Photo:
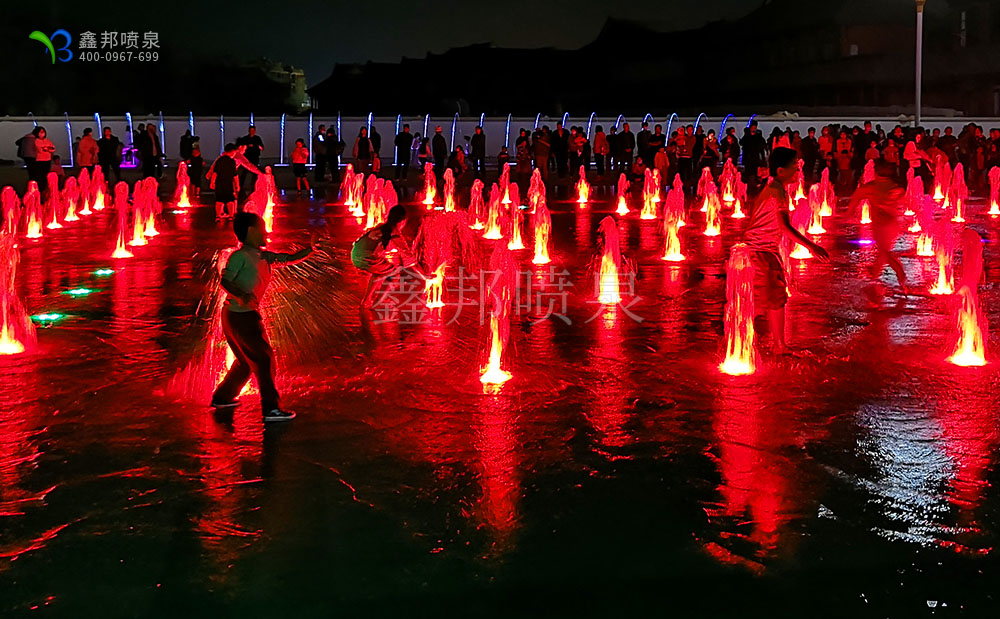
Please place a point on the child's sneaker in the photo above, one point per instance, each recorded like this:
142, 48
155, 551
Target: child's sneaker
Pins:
276, 414
218, 404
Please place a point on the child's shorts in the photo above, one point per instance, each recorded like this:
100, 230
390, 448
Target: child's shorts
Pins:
770, 288
299, 169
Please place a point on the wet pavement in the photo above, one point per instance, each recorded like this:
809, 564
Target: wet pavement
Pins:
618, 473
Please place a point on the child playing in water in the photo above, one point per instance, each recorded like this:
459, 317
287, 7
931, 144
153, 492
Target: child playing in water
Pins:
224, 181
884, 196
767, 222
245, 279
383, 252
300, 155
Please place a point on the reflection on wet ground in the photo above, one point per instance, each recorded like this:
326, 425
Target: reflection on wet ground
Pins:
617, 472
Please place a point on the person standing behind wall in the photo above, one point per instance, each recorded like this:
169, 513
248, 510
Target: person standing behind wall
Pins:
319, 154
27, 152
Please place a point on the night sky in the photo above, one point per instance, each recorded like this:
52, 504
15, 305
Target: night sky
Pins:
315, 35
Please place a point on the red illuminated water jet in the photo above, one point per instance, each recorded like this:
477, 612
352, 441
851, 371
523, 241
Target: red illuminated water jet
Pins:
740, 356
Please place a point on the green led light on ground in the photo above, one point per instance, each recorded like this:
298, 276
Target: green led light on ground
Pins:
79, 292
47, 317
104, 272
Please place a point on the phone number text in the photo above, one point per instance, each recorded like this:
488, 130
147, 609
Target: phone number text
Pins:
123, 56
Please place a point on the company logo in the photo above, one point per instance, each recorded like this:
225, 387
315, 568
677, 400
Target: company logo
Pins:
47, 41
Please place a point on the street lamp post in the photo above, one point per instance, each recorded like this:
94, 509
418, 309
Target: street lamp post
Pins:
920, 57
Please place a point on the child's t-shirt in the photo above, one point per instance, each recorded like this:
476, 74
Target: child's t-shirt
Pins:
763, 229
249, 269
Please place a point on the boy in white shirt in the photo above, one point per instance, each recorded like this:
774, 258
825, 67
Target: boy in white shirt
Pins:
245, 279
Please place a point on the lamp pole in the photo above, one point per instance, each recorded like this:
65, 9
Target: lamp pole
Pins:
920, 57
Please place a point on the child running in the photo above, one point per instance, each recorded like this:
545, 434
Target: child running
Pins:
383, 252
884, 196
766, 224
245, 279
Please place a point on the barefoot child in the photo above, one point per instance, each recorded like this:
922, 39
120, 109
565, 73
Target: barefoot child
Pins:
245, 279
383, 252
884, 196
766, 224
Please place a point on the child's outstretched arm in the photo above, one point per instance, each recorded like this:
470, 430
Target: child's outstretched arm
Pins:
294, 257
801, 239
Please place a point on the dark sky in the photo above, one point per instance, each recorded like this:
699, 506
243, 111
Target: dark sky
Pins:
314, 34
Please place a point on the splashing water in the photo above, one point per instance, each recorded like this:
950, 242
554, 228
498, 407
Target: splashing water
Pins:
622, 192
71, 197
515, 220
914, 198
122, 209
727, 182
493, 230
476, 205
800, 220
582, 188
33, 211
150, 187
139, 207
869, 172
536, 189
866, 212
183, 185
505, 184
706, 183
816, 202
609, 292
347, 186
674, 206
430, 185
83, 180
970, 347
16, 330
740, 356
377, 207
741, 196
650, 195
925, 244
994, 177
449, 191
958, 194
542, 223
943, 249
500, 293
671, 241
799, 185
11, 209
446, 238
827, 194
98, 188
942, 179
434, 287
54, 203
713, 220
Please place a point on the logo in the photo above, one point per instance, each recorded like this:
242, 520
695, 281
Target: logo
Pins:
39, 36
